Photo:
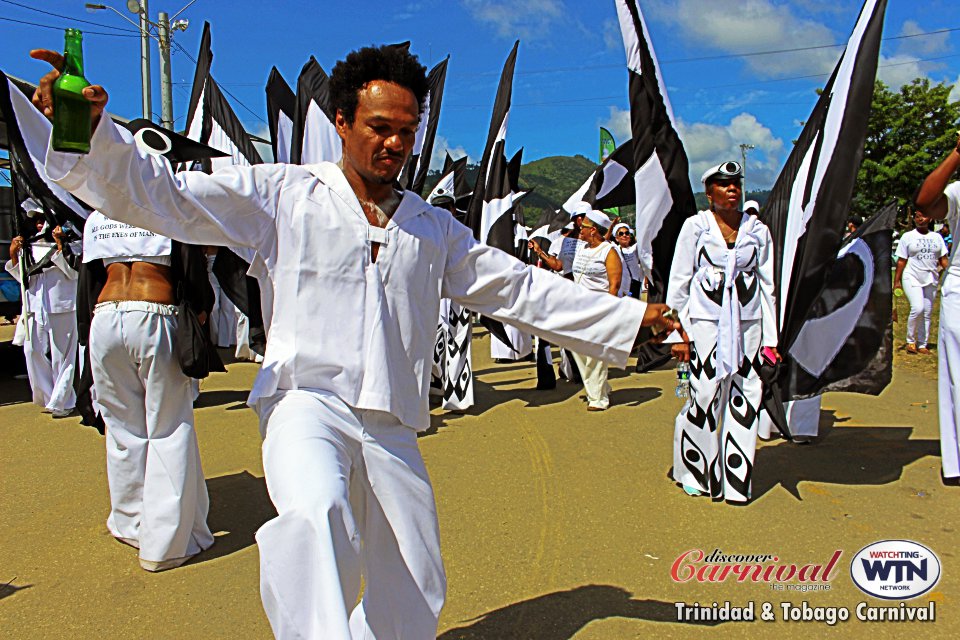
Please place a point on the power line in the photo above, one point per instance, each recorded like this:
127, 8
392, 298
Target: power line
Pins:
50, 26
60, 15
240, 102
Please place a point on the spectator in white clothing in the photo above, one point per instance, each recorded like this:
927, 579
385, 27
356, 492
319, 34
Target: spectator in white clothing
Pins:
921, 255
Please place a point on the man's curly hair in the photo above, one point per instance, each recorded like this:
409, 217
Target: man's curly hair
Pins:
390, 63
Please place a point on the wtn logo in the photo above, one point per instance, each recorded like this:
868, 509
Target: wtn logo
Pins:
903, 570
895, 569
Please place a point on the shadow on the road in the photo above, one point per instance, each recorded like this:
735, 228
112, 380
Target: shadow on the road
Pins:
222, 397
850, 455
8, 589
562, 614
12, 390
239, 505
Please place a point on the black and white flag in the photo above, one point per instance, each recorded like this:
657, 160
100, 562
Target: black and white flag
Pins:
414, 174
846, 341
28, 135
490, 212
453, 180
212, 121
811, 199
315, 137
610, 185
661, 178
210, 118
281, 108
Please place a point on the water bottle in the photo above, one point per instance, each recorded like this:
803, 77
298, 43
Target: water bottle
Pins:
683, 380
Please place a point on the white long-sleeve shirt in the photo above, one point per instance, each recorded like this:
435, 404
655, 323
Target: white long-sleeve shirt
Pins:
726, 285
363, 330
53, 290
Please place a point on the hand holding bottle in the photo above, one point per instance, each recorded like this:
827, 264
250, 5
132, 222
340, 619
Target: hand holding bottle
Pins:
43, 96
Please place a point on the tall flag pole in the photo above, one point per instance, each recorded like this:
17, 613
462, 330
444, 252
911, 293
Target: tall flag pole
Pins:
811, 198
315, 137
661, 176
414, 174
490, 212
607, 146
281, 107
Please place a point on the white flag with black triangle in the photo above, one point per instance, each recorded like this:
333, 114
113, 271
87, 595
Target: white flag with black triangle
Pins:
281, 107
315, 137
661, 178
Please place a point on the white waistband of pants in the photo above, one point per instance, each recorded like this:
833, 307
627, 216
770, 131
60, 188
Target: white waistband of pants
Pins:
136, 305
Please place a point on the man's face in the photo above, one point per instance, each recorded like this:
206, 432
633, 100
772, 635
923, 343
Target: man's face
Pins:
381, 137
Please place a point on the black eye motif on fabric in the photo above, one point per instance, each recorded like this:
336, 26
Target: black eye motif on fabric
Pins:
695, 365
458, 388
694, 459
737, 466
714, 409
710, 364
716, 482
695, 414
715, 295
152, 141
746, 364
747, 292
740, 408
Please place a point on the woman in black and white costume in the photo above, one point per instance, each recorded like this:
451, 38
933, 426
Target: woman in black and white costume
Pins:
158, 495
721, 283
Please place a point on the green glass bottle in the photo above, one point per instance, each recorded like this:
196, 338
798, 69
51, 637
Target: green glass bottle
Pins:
71, 111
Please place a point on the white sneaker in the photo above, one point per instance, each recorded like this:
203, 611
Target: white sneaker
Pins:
61, 413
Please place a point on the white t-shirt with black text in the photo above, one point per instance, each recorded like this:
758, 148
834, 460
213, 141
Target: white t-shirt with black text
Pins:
922, 251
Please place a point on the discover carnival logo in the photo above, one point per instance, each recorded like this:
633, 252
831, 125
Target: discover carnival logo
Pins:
895, 569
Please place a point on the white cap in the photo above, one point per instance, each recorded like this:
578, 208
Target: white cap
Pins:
751, 204
580, 209
32, 207
599, 218
441, 196
621, 225
724, 170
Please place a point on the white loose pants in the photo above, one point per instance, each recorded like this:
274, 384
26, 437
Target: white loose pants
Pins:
353, 496
158, 497
50, 353
594, 373
948, 355
921, 308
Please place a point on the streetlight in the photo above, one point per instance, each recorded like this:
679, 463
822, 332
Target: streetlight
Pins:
743, 155
164, 29
138, 7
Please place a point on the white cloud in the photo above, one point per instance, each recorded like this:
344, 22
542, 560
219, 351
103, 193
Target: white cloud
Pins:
618, 124
898, 70
710, 144
756, 25
955, 94
923, 46
523, 19
441, 146
612, 37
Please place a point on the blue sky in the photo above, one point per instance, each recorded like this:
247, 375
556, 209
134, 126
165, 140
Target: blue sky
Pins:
570, 69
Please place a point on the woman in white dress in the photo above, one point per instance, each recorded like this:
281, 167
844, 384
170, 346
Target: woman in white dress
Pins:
921, 255
721, 283
598, 267
626, 244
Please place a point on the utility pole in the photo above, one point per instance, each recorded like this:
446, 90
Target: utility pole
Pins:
166, 88
145, 61
743, 155
165, 31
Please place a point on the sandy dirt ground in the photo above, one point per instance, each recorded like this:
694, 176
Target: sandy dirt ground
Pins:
556, 523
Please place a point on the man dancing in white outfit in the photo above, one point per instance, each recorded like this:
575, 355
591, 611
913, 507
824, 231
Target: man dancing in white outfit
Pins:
941, 200
358, 269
